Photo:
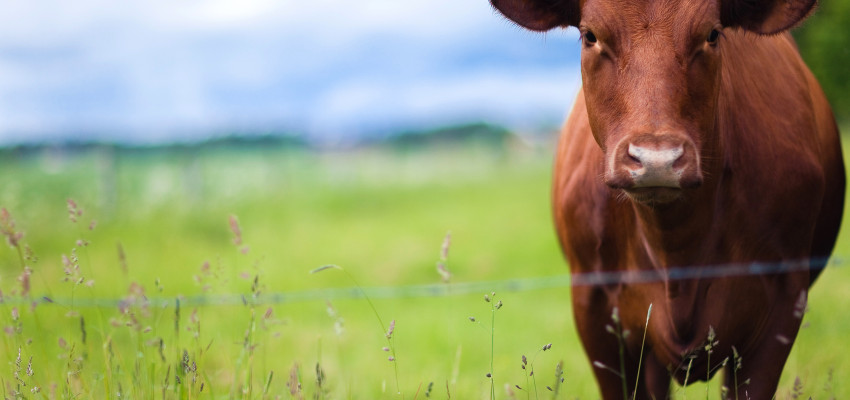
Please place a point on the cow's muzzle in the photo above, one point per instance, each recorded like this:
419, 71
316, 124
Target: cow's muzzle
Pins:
648, 162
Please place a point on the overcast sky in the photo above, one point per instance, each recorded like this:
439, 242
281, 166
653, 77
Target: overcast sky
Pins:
151, 70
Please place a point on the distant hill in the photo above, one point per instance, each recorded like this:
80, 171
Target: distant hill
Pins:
226, 142
479, 133
482, 133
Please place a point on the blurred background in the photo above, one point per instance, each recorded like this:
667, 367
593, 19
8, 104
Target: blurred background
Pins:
217, 151
327, 72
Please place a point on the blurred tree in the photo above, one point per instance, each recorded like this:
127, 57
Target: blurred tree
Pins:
824, 41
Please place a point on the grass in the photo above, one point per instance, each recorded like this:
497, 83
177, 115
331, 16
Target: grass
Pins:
380, 215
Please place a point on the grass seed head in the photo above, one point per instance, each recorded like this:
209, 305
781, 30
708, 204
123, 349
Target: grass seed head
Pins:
24, 280
615, 315
797, 390
7, 228
320, 376
324, 267
122, 257
29, 255
74, 211
442, 268
444, 250
234, 228
29, 367
294, 383
391, 329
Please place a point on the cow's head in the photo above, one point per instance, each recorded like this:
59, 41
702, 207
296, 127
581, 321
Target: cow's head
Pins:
651, 74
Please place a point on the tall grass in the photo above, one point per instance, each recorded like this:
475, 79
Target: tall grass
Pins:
165, 246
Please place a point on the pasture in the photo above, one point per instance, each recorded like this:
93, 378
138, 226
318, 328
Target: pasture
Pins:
99, 318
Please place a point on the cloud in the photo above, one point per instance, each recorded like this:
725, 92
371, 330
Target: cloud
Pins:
163, 70
487, 96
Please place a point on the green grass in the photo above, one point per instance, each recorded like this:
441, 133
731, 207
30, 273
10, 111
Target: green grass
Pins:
380, 215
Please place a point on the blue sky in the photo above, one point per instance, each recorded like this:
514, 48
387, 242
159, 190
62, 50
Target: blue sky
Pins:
145, 71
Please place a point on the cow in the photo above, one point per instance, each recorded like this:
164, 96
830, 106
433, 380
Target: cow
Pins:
699, 140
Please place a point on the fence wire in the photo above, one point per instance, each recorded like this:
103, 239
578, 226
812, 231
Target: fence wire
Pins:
457, 289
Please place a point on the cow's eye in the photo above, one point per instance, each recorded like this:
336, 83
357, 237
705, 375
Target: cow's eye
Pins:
713, 36
589, 38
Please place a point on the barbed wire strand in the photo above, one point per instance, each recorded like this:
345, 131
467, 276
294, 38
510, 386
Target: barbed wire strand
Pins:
460, 288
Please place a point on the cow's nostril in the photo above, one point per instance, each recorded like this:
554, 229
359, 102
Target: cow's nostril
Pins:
634, 154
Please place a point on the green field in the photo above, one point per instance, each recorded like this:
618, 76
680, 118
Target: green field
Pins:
163, 233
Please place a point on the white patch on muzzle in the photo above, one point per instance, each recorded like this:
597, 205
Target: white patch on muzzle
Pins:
656, 167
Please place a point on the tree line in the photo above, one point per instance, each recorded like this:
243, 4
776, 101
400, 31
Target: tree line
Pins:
824, 42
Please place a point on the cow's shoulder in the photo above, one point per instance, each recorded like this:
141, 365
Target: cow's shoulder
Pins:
773, 171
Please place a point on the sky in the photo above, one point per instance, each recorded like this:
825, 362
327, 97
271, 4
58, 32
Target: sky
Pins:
150, 71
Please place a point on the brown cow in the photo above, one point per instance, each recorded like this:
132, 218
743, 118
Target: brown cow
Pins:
699, 139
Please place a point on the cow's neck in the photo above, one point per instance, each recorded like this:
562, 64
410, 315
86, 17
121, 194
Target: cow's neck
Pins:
674, 234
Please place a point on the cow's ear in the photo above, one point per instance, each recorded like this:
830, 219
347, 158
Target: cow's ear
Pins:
540, 15
765, 16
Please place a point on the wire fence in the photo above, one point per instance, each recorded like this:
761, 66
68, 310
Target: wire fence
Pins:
460, 288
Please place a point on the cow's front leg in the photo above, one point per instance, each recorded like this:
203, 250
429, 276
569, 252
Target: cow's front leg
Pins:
614, 353
755, 372
655, 379
651, 382
756, 376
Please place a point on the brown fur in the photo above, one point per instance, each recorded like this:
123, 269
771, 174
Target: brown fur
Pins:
771, 185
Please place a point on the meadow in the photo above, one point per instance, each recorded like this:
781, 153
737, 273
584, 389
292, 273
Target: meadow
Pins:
187, 274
